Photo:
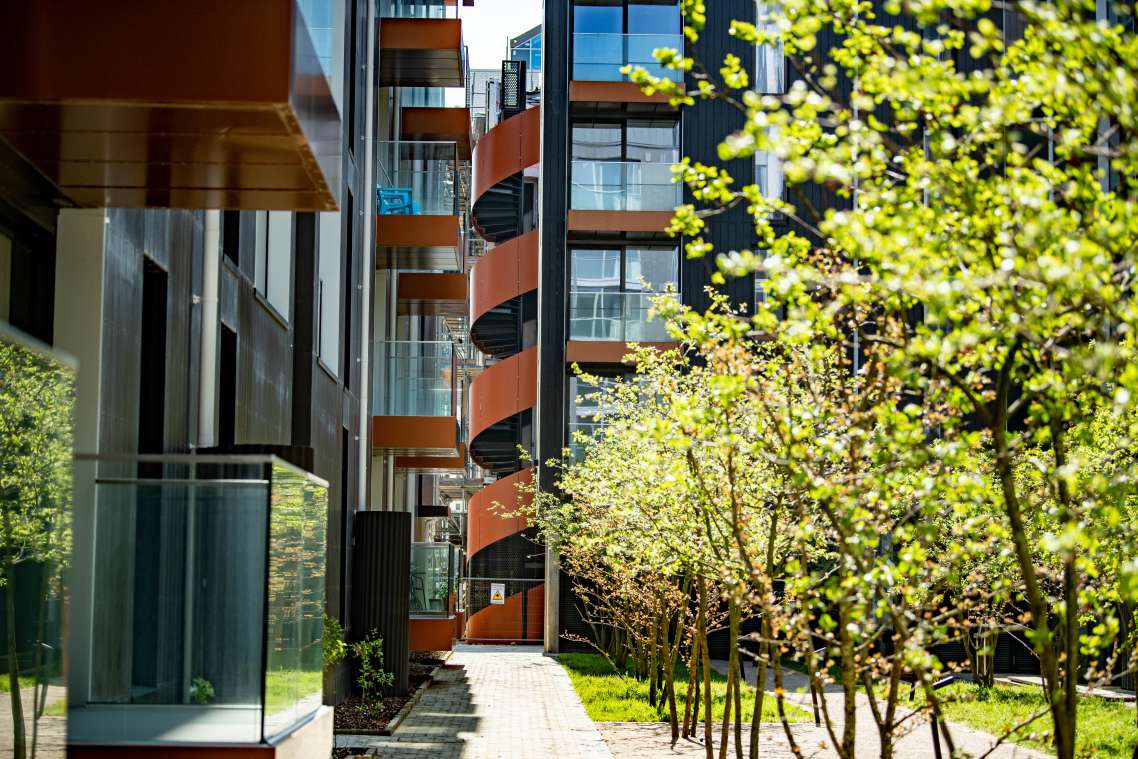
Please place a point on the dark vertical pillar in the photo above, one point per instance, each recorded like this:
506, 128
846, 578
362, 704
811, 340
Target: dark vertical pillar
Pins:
381, 587
553, 194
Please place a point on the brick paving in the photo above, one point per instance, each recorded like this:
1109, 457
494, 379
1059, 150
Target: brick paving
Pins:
504, 702
508, 702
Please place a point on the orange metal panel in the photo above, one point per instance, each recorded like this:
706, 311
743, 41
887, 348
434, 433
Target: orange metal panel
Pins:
416, 231
420, 52
503, 622
444, 124
506, 271
511, 146
602, 351
431, 286
421, 435
208, 104
502, 390
431, 633
484, 525
611, 92
619, 221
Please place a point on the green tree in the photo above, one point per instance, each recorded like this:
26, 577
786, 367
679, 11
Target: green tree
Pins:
36, 402
979, 256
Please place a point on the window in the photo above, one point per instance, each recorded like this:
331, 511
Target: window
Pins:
607, 35
625, 166
586, 414
770, 61
768, 175
611, 292
328, 290
272, 275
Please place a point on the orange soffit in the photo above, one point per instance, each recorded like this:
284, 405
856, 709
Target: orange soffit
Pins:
619, 221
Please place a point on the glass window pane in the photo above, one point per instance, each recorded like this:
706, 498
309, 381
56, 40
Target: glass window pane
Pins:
655, 267
653, 17
278, 286
653, 142
595, 271
261, 251
597, 18
329, 293
596, 141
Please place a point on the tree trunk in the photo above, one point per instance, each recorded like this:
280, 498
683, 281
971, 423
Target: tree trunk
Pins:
705, 661
760, 691
849, 681
19, 736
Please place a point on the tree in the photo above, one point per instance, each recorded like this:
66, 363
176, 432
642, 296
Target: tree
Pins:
35, 495
983, 257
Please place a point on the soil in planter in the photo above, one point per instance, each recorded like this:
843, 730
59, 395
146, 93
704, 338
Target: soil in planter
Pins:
428, 658
369, 716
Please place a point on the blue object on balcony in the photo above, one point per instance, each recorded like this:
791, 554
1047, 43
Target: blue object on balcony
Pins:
396, 200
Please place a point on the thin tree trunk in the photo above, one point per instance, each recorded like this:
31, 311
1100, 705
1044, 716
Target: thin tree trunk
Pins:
38, 703
737, 668
705, 660
849, 680
760, 691
19, 736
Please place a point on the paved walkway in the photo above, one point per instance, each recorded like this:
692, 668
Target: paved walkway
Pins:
505, 702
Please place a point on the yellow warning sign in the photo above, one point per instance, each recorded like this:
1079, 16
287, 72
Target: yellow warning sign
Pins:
497, 592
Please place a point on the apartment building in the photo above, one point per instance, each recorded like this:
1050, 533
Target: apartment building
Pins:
186, 227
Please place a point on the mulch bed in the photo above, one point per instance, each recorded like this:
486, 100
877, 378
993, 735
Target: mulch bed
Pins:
428, 658
356, 714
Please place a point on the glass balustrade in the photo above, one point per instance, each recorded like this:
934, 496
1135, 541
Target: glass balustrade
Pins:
417, 177
622, 186
434, 579
598, 57
429, 9
200, 620
616, 316
414, 378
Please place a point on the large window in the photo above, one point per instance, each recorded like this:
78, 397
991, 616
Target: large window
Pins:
625, 166
611, 292
586, 414
272, 273
608, 35
328, 291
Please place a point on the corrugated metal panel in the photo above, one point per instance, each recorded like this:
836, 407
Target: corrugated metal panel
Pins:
381, 586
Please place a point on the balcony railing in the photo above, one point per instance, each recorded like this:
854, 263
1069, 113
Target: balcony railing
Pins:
416, 178
623, 186
434, 579
201, 618
598, 57
429, 9
616, 316
414, 378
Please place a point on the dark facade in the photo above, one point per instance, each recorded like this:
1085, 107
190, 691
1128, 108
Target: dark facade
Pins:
234, 327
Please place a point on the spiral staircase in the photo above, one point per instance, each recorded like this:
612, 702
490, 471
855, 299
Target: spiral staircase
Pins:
505, 592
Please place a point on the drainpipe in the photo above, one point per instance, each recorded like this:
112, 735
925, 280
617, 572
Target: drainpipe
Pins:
207, 383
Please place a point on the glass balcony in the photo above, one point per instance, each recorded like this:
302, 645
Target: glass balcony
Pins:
428, 9
37, 395
414, 378
598, 57
434, 579
417, 178
616, 316
200, 620
622, 186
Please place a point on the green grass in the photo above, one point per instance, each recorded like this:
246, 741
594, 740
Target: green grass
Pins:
284, 687
1106, 729
612, 697
26, 681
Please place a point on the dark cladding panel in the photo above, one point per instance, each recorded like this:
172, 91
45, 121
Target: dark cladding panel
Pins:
703, 127
381, 586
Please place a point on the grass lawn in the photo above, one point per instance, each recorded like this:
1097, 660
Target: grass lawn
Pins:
612, 697
284, 687
1106, 729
